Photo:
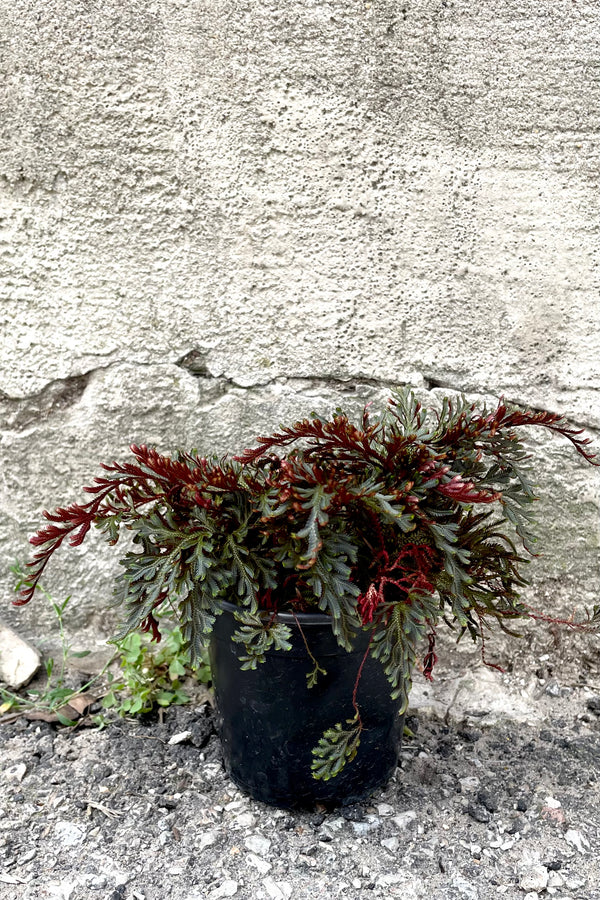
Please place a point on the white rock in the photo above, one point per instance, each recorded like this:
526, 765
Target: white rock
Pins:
245, 820
258, 844
180, 738
469, 784
552, 803
391, 844
370, 824
19, 661
69, 834
261, 864
207, 839
61, 890
387, 880
535, 878
555, 880
577, 840
7, 878
464, 888
404, 819
229, 888
16, 773
384, 809
487, 692
277, 890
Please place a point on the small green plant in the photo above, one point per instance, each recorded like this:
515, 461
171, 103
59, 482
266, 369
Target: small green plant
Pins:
150, 675
54, 694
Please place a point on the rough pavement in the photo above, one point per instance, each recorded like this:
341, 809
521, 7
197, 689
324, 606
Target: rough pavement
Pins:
497, 795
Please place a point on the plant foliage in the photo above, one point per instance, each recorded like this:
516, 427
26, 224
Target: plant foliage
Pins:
407, 518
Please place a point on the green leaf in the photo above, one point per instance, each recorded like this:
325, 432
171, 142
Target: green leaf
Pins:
312, 677
64, 720
165, 698
396, 639
316, 500
176, 669
110, 700
259, 634
335, 749
330, 581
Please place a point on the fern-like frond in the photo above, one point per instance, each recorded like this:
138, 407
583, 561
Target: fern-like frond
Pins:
260, 633
396, 637
337, 747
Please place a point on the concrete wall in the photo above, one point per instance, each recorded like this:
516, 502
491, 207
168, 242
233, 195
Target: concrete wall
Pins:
216, 214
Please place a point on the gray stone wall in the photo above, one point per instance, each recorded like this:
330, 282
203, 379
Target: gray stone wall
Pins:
217, 214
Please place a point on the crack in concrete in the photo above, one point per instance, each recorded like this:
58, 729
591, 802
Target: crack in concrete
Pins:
17, 413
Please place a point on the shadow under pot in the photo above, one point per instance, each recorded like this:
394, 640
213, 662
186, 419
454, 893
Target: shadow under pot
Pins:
269, 720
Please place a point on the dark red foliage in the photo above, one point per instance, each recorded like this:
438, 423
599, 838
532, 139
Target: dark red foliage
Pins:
430, 659
187, 482
410, 573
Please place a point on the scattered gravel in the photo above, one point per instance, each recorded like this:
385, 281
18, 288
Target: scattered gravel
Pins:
482, 806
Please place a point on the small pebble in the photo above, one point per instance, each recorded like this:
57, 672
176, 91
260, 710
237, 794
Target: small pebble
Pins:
16, 773
534, 878
258, 863
384, 809
578, 840
403, 820
488, 800
353, 813
258, 844
469, 784
478, 812
246, 820
229, 888
69, 834
277, 890
180, 738
593, 705
555, 880
391, 844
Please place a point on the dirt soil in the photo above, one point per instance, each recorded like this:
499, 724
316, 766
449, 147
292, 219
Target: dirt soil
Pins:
497, 795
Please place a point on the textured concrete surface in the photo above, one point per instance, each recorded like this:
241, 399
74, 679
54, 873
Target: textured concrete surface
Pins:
216, 215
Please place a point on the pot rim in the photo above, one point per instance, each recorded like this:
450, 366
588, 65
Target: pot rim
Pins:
286, 618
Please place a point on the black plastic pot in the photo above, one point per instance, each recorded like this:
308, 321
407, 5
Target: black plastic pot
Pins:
269, 720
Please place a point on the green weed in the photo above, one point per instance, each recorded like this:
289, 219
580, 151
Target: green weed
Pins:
149, 673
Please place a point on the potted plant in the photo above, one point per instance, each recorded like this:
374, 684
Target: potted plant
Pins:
318, 566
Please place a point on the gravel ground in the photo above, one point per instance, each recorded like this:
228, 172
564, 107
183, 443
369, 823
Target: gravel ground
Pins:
497, 795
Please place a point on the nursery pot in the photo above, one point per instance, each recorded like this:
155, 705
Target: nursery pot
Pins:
269, 720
